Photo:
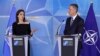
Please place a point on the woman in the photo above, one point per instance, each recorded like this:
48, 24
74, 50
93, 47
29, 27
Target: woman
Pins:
21, 27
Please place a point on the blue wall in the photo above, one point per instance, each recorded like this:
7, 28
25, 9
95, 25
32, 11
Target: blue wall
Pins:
45, 16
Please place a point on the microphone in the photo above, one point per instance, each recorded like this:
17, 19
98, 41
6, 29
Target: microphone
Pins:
58, 29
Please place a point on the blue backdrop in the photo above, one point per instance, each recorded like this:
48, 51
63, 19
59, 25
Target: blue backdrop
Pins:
45, 16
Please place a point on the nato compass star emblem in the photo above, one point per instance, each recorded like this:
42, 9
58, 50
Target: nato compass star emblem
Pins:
90, 37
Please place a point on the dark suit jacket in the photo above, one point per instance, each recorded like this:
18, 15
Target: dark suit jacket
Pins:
76, 27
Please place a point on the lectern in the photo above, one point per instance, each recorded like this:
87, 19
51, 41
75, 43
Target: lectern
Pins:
68, 44
18, 45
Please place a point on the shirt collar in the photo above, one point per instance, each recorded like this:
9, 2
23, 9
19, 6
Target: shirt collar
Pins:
74, 17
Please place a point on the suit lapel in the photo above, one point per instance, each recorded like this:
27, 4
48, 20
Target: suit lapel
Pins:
75, 21
69, 22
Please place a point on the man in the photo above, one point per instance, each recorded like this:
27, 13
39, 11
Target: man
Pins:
74, 24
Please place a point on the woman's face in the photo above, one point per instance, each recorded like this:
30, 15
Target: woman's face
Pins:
21, 15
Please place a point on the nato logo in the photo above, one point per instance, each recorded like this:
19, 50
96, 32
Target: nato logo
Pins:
90, 37
15, 43
65, 43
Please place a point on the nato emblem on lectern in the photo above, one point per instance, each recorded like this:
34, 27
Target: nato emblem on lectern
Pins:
90, 37
65, 43
15, 43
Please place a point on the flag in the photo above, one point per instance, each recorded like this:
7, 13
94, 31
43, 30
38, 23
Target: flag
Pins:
12, 18
91, 39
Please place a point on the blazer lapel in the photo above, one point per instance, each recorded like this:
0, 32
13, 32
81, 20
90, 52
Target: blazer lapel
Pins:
75, 21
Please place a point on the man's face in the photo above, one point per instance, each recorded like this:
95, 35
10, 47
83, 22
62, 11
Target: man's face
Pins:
72, 11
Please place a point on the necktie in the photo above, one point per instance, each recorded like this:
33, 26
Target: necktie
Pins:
71, 22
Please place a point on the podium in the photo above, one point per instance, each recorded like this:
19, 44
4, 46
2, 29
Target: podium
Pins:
68, 44
18, 45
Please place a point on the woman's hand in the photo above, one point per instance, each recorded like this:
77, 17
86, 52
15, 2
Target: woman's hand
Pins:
32, 31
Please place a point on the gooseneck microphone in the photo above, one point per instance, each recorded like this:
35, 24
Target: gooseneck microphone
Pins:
59, 27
